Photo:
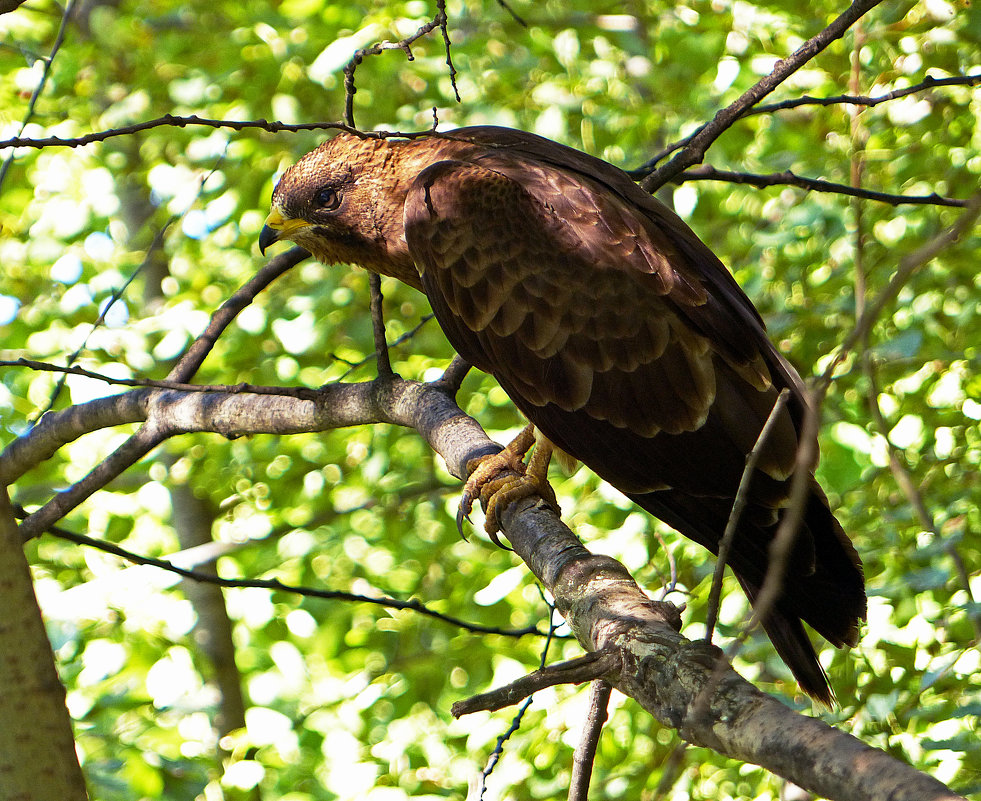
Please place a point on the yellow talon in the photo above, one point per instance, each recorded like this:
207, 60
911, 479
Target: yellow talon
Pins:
502, 478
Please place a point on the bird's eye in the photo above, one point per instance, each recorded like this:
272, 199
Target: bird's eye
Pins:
327, 198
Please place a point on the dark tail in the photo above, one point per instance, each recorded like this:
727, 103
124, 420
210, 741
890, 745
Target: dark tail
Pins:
823, 583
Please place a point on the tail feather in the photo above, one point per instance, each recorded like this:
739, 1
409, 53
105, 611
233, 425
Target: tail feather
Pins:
795, 649
823, 584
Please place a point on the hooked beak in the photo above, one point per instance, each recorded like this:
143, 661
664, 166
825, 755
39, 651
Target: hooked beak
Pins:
277, 227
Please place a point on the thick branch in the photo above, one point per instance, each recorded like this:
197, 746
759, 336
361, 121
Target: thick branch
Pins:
167, 413
605, 608
666, 673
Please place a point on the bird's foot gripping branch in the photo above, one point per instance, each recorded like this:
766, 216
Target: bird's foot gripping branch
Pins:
501, 479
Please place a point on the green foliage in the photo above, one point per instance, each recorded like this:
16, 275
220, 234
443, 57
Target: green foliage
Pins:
351, 700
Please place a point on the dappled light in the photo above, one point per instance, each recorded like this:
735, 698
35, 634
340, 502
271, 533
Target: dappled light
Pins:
352, 615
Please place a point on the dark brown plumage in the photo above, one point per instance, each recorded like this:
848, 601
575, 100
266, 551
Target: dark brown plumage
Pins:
611, 326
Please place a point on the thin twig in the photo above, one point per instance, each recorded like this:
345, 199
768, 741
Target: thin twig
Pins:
352, 366
861, 100
303, 393
170, 121
695, 150
507, 7
444, 30
405, 45
585, 754
275, 585
378, 325
738, 506
498, 751
48, 64
707, 172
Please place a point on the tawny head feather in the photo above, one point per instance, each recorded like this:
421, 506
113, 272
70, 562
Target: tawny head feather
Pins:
344, 202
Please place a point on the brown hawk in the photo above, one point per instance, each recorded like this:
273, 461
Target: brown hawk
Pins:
611, 326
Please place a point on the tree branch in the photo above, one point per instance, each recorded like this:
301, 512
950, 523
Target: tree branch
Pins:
582, 760
169, 121
275, 585
405, 45
707, 172
929, 83
695, 150
575, 671
862, 100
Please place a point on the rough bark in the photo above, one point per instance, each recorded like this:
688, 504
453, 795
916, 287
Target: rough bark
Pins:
664, 672
37, 748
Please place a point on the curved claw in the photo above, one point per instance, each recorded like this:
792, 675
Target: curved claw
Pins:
500, 479
463, 511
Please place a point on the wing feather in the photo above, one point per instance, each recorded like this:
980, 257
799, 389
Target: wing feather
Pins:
574, 299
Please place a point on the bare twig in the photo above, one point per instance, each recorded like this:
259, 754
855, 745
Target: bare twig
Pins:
275, 585
48, 63
588, 667
405, 45
443, 29
707, 172
170, 121
582, 760
507, 7
352, 366
255, 389
695, 150
378, 325
738, 506
498, 751
861, 100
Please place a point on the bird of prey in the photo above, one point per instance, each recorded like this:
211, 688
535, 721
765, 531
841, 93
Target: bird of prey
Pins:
611, 326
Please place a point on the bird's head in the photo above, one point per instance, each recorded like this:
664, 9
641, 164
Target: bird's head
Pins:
344, 202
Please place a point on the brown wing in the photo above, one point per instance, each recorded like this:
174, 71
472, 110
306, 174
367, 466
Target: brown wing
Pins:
628, 344
575, 301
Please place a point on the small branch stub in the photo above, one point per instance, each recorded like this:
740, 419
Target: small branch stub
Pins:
595, 665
